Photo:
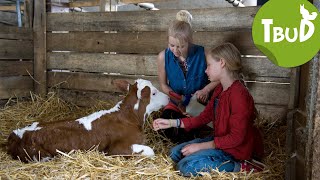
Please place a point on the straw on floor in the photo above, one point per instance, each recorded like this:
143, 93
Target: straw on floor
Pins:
93, 164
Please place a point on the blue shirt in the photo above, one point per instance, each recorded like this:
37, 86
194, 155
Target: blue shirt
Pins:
195, 78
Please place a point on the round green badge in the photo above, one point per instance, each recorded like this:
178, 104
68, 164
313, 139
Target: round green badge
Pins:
287, 31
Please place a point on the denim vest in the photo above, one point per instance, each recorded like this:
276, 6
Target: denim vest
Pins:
196, 77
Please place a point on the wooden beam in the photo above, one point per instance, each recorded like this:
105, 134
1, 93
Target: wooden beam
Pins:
10, 8
16, 49
40, 74
84, 3
76, 4
256, 68
29, 4
15, 86
8, 18
294, 88
263, 93
16, 68
141, 1
213, 19
87, 98
10, 32
143, 42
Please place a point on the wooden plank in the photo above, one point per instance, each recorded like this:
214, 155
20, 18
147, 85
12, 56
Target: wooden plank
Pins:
212, 19
16, 49
84, 3
270, 93
40, 74
256, 68
141, 1
91, 98
263, 93
87, 98
16, 33
15, 86
272, 113
91, 81
16, 68
8, 18
142, 42
10, 8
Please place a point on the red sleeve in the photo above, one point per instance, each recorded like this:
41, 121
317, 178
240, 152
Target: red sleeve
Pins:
242, 114
204, 117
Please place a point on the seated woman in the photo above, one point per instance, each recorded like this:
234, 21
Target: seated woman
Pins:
181, 72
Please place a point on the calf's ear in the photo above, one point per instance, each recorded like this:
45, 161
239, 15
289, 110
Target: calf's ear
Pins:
145, 92
121, 84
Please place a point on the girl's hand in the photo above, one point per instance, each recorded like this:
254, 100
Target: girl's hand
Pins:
202, 95
161, 123
191, 148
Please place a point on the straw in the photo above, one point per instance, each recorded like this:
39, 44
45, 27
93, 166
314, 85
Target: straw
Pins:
97, 165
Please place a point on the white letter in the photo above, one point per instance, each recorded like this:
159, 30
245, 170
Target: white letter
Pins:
303, 36
278, 32
295, 35
267, 23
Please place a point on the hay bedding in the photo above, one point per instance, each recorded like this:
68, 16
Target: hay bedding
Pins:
95, 165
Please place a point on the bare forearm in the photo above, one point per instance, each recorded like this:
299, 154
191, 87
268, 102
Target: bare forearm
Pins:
209, 87
208, 145
165, 88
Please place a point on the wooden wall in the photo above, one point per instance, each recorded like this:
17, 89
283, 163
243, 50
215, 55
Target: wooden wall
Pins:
16, 62
86, 51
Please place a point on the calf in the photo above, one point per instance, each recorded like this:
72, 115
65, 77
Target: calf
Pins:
117, 131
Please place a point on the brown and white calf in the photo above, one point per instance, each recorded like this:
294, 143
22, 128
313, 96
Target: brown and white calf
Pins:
117, 131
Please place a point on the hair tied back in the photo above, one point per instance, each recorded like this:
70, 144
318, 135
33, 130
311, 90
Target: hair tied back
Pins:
184, 15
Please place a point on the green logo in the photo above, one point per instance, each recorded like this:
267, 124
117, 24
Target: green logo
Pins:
287, 31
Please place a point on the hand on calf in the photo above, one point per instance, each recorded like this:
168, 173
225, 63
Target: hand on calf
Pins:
181, 101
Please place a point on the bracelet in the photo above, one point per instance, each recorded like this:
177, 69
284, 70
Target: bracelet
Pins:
178, 123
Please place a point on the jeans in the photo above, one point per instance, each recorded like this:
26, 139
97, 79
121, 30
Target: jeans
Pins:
203, 160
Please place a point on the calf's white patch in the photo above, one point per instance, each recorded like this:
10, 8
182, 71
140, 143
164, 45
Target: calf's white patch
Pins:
32, 127
87, 120
144, 150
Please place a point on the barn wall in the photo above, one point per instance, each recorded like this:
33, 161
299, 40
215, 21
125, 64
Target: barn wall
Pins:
86, 51
303, 124
16, 62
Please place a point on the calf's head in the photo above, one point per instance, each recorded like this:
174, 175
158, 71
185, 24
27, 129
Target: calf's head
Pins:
144, 95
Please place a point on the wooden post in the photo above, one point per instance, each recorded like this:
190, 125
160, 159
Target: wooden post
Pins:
313, 121
28, 13
314, 135
40, 67
103, 5
294, 88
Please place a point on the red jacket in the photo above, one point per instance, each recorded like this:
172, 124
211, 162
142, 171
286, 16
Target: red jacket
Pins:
234, 132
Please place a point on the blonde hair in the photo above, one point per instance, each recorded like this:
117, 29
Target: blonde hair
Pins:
181, 28
232, 57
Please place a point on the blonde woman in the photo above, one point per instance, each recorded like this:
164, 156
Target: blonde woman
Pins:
181, 72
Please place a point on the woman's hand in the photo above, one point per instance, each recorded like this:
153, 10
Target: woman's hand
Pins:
162, 124
202, 95
191, 148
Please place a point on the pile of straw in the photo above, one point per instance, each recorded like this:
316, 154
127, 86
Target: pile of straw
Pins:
94, 164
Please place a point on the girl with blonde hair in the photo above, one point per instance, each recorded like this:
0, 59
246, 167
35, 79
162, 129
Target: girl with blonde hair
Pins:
181, 72
231, 109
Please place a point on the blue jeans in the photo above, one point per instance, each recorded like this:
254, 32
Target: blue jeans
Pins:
203, 160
